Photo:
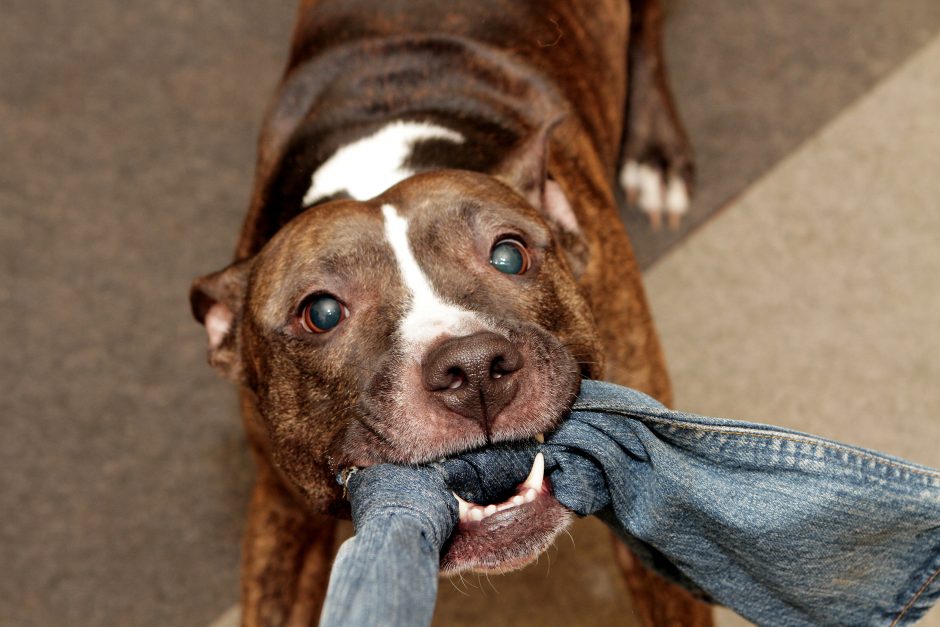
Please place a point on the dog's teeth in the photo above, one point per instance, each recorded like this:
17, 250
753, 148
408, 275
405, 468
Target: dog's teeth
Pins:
540, 438
534, 480
528, 492
462, 506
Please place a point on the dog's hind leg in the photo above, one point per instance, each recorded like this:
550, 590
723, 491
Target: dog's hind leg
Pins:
656, 169
286, 558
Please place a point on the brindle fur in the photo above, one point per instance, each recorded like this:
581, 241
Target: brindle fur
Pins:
505, 68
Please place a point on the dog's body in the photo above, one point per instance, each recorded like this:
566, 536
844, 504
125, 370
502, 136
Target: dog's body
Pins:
367, 324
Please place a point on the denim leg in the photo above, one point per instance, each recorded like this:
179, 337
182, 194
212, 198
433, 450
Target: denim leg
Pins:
384, 575
387, 573
783, 527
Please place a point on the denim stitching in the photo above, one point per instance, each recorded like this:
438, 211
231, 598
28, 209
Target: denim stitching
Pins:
771, 436
916, 596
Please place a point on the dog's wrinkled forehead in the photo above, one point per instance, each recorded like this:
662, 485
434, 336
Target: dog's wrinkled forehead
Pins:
329, 250
422, 246
428, 315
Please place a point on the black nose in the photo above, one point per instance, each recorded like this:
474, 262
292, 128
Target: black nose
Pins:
473, 375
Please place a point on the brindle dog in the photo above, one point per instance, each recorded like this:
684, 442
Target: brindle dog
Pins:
432, 261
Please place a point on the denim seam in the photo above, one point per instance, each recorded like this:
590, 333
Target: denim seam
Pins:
775, 436
916, 596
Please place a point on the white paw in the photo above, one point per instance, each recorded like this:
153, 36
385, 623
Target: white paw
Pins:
655, 193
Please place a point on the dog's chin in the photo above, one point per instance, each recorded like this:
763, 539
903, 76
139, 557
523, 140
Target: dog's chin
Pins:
508, 539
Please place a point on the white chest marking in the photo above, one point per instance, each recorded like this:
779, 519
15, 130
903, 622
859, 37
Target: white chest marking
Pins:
428, 317
370, 165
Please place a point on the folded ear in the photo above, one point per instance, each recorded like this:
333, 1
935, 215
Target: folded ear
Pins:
525, 169
216, 300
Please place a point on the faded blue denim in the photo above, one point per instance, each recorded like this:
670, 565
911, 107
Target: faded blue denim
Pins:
783, 527
387, 573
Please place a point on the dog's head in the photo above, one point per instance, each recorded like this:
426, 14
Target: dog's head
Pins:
440, 316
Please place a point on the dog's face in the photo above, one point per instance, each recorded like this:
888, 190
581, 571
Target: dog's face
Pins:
438, 317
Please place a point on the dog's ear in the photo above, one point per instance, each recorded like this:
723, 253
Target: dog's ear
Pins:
216, 300
525, 169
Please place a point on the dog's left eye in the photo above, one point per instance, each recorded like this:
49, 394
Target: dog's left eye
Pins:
509, 256
323, 313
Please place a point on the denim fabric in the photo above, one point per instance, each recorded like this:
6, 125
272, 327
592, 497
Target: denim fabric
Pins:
387, 573
783, 527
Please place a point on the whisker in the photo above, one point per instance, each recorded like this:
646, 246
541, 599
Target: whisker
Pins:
453, 583
570, 536
491, 583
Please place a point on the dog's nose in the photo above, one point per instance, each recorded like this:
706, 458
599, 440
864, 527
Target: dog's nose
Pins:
473, 375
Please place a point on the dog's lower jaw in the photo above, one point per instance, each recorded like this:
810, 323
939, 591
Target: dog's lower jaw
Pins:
506, 540
500, 537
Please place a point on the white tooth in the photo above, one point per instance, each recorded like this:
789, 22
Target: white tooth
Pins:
540, 438
476, 513
530, 495
489, 510
462, 506
534, 480
517, 500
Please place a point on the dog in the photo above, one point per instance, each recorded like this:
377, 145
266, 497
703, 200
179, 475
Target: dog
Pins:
432, 260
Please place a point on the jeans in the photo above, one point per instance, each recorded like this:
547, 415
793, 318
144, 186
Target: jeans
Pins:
387, 573
782, 527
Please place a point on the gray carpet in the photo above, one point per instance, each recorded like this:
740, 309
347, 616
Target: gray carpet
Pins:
128, 133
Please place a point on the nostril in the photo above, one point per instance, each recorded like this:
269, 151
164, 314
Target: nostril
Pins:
457, 378
501, 365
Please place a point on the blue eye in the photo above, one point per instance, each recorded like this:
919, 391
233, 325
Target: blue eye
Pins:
510, 256
323, 313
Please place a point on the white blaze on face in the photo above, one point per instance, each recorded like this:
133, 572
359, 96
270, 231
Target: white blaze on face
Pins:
428, 317
368, 166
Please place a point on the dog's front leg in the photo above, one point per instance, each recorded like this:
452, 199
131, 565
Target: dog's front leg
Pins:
286, 558
657, 602
657, 165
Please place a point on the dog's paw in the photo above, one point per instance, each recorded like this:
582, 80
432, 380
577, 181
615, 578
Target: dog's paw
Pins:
655, 191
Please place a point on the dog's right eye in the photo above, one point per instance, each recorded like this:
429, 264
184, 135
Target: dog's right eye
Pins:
509, 256
323, 313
